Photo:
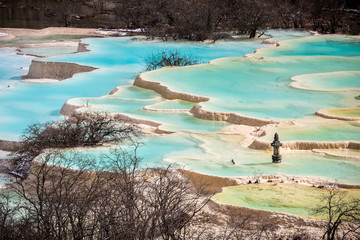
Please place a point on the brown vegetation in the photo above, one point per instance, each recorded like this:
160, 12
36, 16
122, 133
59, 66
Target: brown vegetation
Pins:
75, 131
168, 58
64, 199
340, 210
195, 20
72, 196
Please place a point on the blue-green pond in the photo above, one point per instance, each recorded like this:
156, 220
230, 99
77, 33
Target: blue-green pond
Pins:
258, 85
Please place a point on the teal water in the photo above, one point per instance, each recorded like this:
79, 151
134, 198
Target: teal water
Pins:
334, 81
10, 67
249, 86
333, 45
219, 150
49, 51
172, 105
259, 88
251, 163
21, 40
151, 153
134, 107
209, 154
133, 92
285, 34
341, 152
253, 88
124, 52
312, 131
120, 60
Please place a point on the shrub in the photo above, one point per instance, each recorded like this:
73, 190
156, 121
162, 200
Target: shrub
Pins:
166, 58
75, 131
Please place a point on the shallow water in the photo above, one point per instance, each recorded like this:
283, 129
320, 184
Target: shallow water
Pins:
172, 105
285, 34
39, 39
49, 51
295, 199
333, 81
251, 163
212, 154
152, 150
109, 52
344, 112
120, 59
260, 88
330, 130
12, 67
126, 102
332, 45
350, 153
248, 86
219, 150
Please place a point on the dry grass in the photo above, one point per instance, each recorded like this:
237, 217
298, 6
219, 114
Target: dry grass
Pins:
206, 184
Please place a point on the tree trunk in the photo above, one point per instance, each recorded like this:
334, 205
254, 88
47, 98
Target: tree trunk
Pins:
252, 33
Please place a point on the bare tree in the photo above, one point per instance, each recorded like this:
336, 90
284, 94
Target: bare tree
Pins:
58, 200
252, 15
165, 58
334, 10
71, 196
195, 20
69, 10
75, 131
339, 210
153, 202
9, 208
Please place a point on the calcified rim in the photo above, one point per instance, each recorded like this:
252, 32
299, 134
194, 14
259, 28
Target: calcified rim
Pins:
55, 70
300, 79
286, 178
306, 145
289, 42
325, 114
198, 110
73, 108
329, 153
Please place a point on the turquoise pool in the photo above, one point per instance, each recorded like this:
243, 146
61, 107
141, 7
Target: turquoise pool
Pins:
258, 85
119, 60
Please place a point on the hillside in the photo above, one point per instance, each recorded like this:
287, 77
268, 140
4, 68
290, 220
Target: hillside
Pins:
185, 19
